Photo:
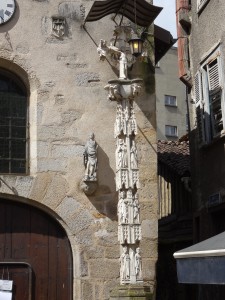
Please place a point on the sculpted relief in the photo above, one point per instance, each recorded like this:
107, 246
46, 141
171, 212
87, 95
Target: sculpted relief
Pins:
90, 159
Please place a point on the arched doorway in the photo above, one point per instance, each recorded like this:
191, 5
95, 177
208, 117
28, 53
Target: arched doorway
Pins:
35, 253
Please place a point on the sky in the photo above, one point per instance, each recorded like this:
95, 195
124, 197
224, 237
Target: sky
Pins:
167, 17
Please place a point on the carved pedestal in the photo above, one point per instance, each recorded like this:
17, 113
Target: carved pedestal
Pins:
131, 292
124, 91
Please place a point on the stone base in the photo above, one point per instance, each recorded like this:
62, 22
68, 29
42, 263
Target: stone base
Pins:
131, 292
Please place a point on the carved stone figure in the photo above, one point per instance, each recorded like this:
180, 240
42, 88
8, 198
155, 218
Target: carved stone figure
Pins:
58, 27
125, 265
138, 264
136, 208
122, 208
136, 89
133, 156
102, 50
113, 92
123, 66
121, 154
90, 159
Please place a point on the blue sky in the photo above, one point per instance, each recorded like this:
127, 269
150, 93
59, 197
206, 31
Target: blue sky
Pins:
167, 17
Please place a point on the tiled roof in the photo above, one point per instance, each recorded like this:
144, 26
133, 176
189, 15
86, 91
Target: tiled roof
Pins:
175, 155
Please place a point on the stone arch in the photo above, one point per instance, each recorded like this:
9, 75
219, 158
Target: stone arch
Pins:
35, 240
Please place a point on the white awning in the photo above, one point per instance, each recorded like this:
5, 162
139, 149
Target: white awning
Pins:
202, 263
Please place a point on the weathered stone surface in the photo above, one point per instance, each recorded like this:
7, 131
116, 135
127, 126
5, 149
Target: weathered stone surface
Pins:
149, 229
87, 79
99, 268
55, 192
68, 207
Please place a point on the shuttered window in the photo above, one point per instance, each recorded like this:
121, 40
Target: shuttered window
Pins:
208, 93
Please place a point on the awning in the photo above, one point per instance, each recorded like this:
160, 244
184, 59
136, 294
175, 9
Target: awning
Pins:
202, 263
144, 16
163, 42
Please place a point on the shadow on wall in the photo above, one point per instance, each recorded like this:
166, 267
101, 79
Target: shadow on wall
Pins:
104, 200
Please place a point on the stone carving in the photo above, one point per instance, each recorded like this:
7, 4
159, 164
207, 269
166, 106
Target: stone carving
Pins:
121, 154
122, 208
133, 156
115, 55
113, 92
122, 179
136, 89
90, 159
136, 209
138, 264
129, 233
58, 26
125, 264
133, 123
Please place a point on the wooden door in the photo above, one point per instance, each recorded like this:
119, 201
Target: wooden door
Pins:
35, 252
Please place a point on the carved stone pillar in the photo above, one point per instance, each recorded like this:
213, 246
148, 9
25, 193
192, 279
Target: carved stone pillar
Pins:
127, 178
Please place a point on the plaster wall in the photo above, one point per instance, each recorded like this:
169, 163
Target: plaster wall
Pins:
66, 80
168, 83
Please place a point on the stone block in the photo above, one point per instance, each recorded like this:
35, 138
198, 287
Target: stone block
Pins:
112, 252
137, 292
56, 192
80, 220
68, 207
104, 268
149, 229
24, 185
66, 150
87, 290
52, 165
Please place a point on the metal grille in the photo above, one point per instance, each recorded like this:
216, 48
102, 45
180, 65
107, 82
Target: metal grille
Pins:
13, 133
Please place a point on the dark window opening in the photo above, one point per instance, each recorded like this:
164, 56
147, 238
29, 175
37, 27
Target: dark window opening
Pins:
13, 124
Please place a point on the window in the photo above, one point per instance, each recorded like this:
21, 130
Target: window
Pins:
170, 100
201, 4
209, 97
171, 130
13, 124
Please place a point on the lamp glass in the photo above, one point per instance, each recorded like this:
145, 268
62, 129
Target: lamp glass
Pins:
136, 45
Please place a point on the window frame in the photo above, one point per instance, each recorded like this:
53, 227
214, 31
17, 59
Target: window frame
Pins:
169, 133
204, 88
170, 97
18, 82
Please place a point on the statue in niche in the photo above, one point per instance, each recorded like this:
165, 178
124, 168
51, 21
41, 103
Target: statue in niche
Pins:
122, 208
136, 208
133, 156
125, 264
121, 154
58, 26
90, 159
138, 264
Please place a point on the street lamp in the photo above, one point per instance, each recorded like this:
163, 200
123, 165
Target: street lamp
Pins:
136, 45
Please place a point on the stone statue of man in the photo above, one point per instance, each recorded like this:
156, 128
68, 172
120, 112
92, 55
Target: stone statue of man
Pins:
90, 159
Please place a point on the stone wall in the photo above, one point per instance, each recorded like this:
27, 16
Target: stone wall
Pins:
67, 101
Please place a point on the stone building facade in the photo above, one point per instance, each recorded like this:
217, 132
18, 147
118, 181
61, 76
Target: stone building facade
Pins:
46, 48
201, 64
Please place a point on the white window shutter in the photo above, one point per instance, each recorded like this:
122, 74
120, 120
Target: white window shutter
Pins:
199, 107
198, 88
213, 74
